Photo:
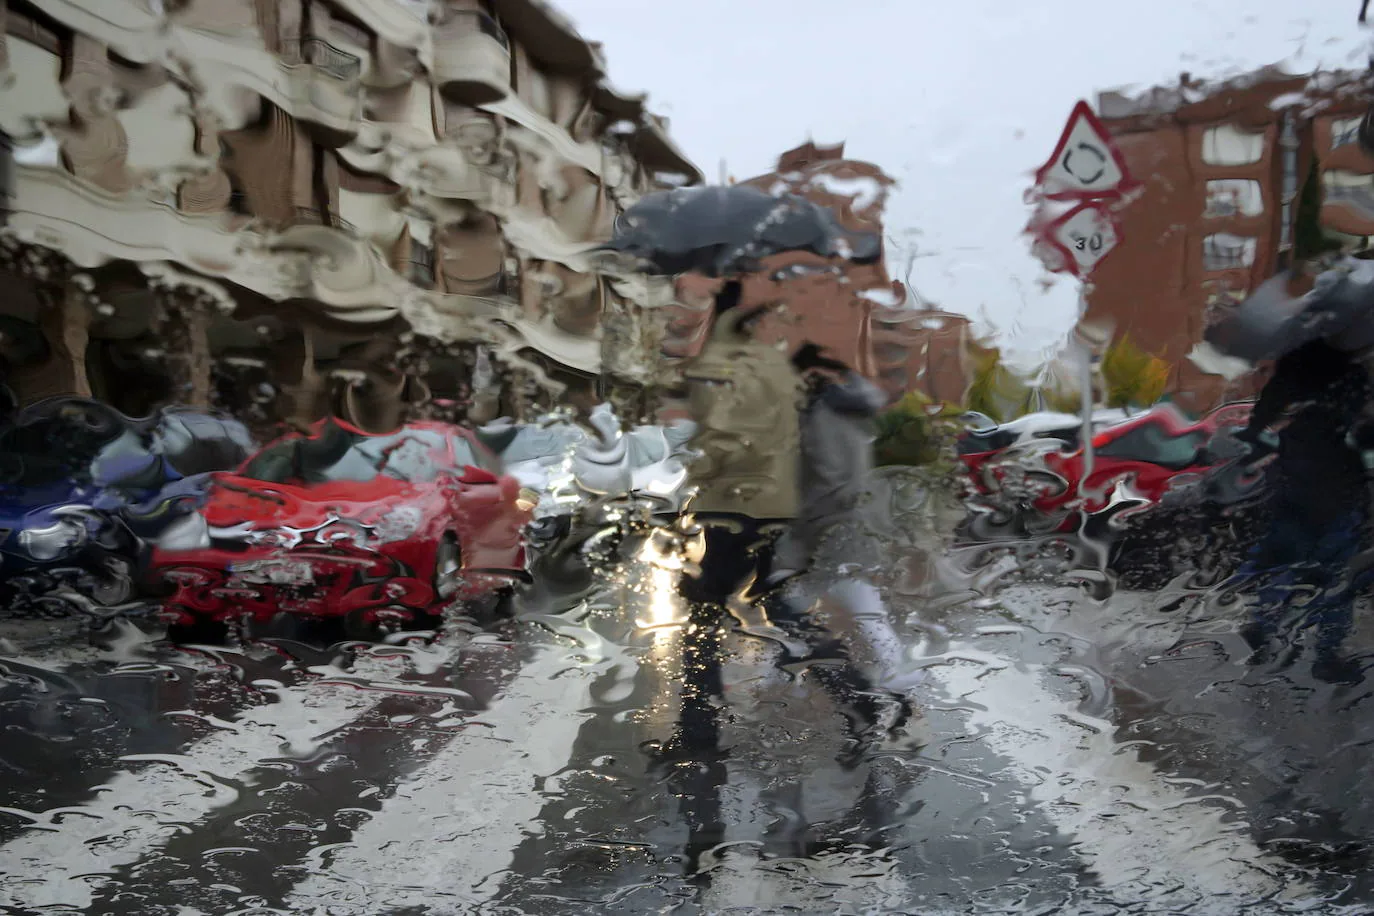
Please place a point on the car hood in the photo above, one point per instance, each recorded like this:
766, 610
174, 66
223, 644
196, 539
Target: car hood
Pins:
26, 507
233, 501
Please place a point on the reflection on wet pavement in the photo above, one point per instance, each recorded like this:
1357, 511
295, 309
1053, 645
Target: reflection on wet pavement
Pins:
1072, 756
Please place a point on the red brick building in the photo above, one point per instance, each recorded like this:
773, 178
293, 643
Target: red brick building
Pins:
859, 312
1225, 167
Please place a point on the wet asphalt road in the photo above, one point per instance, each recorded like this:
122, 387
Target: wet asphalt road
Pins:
1072, 757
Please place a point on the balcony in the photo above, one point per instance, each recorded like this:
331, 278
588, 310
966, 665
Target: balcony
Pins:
471, 58
325, 88
313, 216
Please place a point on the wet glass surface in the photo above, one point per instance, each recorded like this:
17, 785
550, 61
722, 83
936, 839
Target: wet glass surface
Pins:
1099, 756
425, 488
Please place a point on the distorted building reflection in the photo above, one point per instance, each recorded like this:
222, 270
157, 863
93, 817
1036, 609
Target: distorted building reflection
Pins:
287, 209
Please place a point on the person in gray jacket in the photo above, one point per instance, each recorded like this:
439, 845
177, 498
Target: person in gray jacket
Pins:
872, 678
838, 428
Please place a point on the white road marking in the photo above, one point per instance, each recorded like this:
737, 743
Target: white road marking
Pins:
56, 861
447, 836
1146, 836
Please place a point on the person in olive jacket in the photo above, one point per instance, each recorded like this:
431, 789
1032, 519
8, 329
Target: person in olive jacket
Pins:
744, 396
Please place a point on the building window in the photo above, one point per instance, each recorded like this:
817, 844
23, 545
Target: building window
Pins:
1223, 251
1228, 145
1344, 131
419, 265
1349, 188
322, 55
1234, 197
347, 32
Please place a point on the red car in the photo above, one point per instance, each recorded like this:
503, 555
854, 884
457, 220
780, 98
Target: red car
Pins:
344, 523
1034, 467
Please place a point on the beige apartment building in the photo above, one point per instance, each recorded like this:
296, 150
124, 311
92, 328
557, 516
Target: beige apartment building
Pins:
1242, 178
295, 207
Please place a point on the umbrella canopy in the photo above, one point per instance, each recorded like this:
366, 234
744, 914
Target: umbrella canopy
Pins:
1271, 322
719, 231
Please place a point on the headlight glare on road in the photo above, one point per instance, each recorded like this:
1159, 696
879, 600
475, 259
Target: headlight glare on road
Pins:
527, 500
190, 532
53, 541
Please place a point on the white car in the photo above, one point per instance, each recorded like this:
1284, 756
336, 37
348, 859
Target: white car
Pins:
567, 465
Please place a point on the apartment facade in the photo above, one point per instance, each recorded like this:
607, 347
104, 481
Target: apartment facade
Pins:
295, 207
1240, 179
863, 316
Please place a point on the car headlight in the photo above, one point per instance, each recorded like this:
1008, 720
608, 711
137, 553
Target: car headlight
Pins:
398, 524
51, 542
526, 500
190, 532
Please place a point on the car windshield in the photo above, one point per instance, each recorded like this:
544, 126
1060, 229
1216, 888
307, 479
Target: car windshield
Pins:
484, 540
466, 452
413, 456
1153, 443
534, 443
28, 457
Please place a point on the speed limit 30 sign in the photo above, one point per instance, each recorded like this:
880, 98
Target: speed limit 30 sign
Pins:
1080, 239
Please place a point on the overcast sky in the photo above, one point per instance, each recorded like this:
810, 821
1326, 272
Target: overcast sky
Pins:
958, 101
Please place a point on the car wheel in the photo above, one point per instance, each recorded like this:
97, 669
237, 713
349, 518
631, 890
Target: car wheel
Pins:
114, 584
200, 630
283, 625
985, 526
491, 607
448, 568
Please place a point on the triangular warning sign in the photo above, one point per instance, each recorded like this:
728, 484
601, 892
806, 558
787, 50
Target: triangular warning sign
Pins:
1086, 164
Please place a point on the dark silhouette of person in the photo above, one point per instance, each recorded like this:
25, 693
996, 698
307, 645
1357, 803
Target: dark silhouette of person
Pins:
1320, 507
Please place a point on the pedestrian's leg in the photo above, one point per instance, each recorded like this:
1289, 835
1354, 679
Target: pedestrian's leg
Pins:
724, 564
870, 711
697, 739
1261, 627
789, 556
1270, 565
1332, 611
860, 606
1333, 620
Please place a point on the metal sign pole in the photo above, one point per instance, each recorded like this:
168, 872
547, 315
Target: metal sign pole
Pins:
1086, 381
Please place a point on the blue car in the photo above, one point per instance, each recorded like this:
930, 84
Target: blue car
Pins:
84, 488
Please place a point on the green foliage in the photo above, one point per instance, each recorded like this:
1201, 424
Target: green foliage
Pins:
913, 431
1133, 377
1063, 400
996, 390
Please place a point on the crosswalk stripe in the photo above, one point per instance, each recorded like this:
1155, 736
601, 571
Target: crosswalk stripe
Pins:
139, 810
1142, 833
448, 833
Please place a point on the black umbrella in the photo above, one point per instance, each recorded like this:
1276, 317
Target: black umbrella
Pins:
719, 231
1271, 322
